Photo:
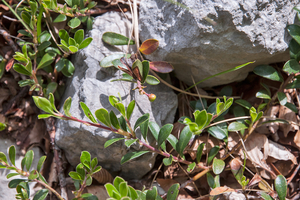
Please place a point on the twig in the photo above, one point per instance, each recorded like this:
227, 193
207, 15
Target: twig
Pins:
7, 37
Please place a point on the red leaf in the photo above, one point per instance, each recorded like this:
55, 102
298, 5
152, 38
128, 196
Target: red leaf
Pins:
161, 66
137, 75
9, 64
149, 46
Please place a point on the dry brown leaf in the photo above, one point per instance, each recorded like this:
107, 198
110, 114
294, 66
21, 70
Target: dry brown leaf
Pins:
220, 190
280, 152
297, 139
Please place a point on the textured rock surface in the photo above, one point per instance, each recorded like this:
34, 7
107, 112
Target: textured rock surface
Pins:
245, 31
91, 84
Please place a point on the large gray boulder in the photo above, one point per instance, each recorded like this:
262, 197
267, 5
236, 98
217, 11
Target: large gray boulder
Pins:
92, 85
244, 31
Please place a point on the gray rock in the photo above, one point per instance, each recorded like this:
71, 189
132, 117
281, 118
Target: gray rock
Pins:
245, 31
92, 85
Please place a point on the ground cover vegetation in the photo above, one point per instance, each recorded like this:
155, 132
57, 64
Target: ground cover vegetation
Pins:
210, 138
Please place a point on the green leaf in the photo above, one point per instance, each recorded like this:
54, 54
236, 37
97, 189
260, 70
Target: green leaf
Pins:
87, 112
144, 128
21, 69
121, 108
168, 161
151, 194
191, 167
12, 154
294, 31
47, 59
11, 175
113, 100
164, 133
212, 153
263, 94
294, 85
123, 123
292, 107
184, 139
210, 180
44, 45
44, 36
200, 118
75, 175
218, 132
74, 23
111, 141
40, 163
282, 98
291, 66
41, 194
89, 23
73, 49
33, 175
154, 128
43, 104
114, 120
130, 109
141, 120
85, 43
44, 116
2, 126
131, 155
79, 36
236, 126
145, 71
243, 103
172, 140
123, 189
103, 116
60, 18
15, 182
117, 181
151, 80
132, 193
281, 187
199, 152
108, 60
173, 192
67, 106
116, 39
265, 196
29, 158
85, 157
111, 190
268, 72
218, 166
68, 68
294, 48
128, 143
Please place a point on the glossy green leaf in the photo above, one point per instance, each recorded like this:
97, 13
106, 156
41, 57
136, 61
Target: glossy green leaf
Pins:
73, 49
291, 66
123, 189
15, 182
212, 153
121, 108
243, 103
141, 120
151, 80
128, 143
210, 180
294, 85
74, 23
85, 157
12, 175
116, 39
236, 126
47, 59
168, 161
130, 109
85, 43
199, 152
117, 181
218, 132
43, 104
191, 167
268, 72
294, 31
281, 187
184, 139
87, 112
114, 120
292, 107
44, 116
200, 118
294, 48
111, 190
41, 194
172, 140
44, 45
193, 127
144, 128
263, 94
107, 61
67, 106
151, 194
12, 154
60, 18
218, 166
75, 175
29, 158
68, 68
164, 133
265, 196
103, 116
40, 163
123, 123
79, 36
131, 155
154, 128
173, 192
282, 98
111, 141
145, 71
21, 69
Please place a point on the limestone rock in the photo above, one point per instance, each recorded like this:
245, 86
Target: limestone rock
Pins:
92, 85
244, 31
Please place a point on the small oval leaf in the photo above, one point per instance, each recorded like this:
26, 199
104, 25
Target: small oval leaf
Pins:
116, 39
161, 66
268, 72
149, 46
